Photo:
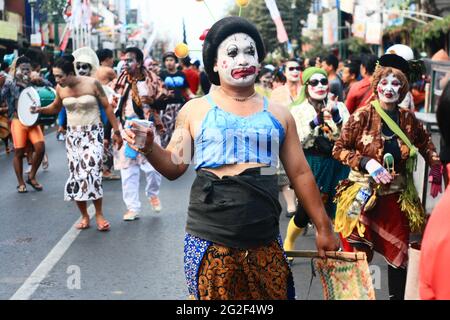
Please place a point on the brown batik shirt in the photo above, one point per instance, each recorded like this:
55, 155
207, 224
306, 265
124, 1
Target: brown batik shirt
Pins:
361, 137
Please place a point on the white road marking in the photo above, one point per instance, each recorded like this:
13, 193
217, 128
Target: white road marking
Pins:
40, 273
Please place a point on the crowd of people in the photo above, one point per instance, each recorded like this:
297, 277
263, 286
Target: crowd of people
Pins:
345, 132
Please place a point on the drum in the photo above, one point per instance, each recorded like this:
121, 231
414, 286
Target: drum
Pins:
4, 127
35, 97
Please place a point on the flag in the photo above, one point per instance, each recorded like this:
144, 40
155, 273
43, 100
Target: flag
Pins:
276, 17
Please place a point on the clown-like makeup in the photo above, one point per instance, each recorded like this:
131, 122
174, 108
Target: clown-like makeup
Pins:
83, 69
318, 87
292, 71
131, 65
237, 60
388, 89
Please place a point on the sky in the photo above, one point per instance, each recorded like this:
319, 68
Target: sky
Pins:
167, 16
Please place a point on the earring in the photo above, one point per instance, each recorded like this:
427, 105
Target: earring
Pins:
215, 69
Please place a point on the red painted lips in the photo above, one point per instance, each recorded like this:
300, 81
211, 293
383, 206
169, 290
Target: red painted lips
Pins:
243, 72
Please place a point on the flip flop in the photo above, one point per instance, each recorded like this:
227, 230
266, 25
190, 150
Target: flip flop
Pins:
22, 189
82, 226
36, 186
104, 227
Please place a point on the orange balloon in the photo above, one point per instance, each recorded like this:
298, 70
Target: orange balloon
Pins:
181, 50
242, 3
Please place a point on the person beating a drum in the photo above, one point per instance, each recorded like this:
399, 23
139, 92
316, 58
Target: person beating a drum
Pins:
21, 133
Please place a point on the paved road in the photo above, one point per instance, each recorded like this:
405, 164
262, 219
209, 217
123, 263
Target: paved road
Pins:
135, 260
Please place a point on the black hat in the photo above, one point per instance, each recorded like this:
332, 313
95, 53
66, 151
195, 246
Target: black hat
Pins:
170, 54
394, 61
221, 30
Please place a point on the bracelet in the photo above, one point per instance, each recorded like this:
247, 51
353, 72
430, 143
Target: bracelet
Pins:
146, 153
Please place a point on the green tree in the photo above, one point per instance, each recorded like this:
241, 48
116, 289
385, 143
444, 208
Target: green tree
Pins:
52, 9
258, 13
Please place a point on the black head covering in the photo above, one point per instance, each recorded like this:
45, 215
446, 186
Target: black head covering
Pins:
221, 30
170, 54
394, 61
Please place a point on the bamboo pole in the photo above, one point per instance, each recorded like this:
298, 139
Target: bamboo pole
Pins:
354, 256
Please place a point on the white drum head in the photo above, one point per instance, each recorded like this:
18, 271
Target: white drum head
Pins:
28, 98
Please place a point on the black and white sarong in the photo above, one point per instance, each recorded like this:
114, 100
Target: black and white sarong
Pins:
84, 146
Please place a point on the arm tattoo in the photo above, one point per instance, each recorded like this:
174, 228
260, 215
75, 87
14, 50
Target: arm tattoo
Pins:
101, 92
179, 128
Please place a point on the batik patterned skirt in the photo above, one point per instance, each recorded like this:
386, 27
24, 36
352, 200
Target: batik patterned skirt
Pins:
84, 146
221, 273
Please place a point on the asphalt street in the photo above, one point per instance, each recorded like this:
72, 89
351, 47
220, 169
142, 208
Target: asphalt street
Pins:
142, 259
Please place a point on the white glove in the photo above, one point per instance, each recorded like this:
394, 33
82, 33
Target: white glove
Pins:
378, 172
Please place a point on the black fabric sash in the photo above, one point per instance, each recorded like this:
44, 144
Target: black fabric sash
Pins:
236, 211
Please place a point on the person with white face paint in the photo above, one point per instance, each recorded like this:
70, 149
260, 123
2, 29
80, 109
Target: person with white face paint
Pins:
237, 137
378, 206
140, 91
286, 95
319, 120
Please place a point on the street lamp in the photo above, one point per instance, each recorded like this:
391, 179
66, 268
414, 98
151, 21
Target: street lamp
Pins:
32, 4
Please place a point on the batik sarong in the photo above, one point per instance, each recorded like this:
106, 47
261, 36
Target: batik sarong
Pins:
217, 272
84, 146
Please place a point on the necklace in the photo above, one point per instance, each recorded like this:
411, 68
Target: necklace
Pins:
239, 99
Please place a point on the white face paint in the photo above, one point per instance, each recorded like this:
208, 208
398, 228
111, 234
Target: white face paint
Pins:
237, 60
292, 71
388, 89
317, 90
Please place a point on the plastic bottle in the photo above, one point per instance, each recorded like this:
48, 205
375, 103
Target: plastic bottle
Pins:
361, 198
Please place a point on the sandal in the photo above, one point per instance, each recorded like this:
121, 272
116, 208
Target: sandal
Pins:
36, 186
104, 227
82, 225
22, 189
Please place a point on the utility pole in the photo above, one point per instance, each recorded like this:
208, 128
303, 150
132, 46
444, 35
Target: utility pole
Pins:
338, 9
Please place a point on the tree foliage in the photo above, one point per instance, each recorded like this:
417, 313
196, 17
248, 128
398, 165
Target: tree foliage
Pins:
258, 13
52, 8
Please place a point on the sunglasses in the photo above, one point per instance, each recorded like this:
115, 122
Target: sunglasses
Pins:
315, 82
83, 66
294, 68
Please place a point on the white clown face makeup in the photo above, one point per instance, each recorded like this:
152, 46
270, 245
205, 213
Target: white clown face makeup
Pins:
388, 89
318, 86
237, 60
292, 71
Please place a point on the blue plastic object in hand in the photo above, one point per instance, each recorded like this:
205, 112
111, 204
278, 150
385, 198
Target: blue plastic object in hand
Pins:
130, 153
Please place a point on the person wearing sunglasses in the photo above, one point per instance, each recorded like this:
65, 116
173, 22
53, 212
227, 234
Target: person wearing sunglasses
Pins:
285, 96
319, 118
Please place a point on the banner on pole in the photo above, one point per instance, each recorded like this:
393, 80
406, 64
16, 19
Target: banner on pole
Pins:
347, 6
374, 33
359, 22
276, 17
330, 30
